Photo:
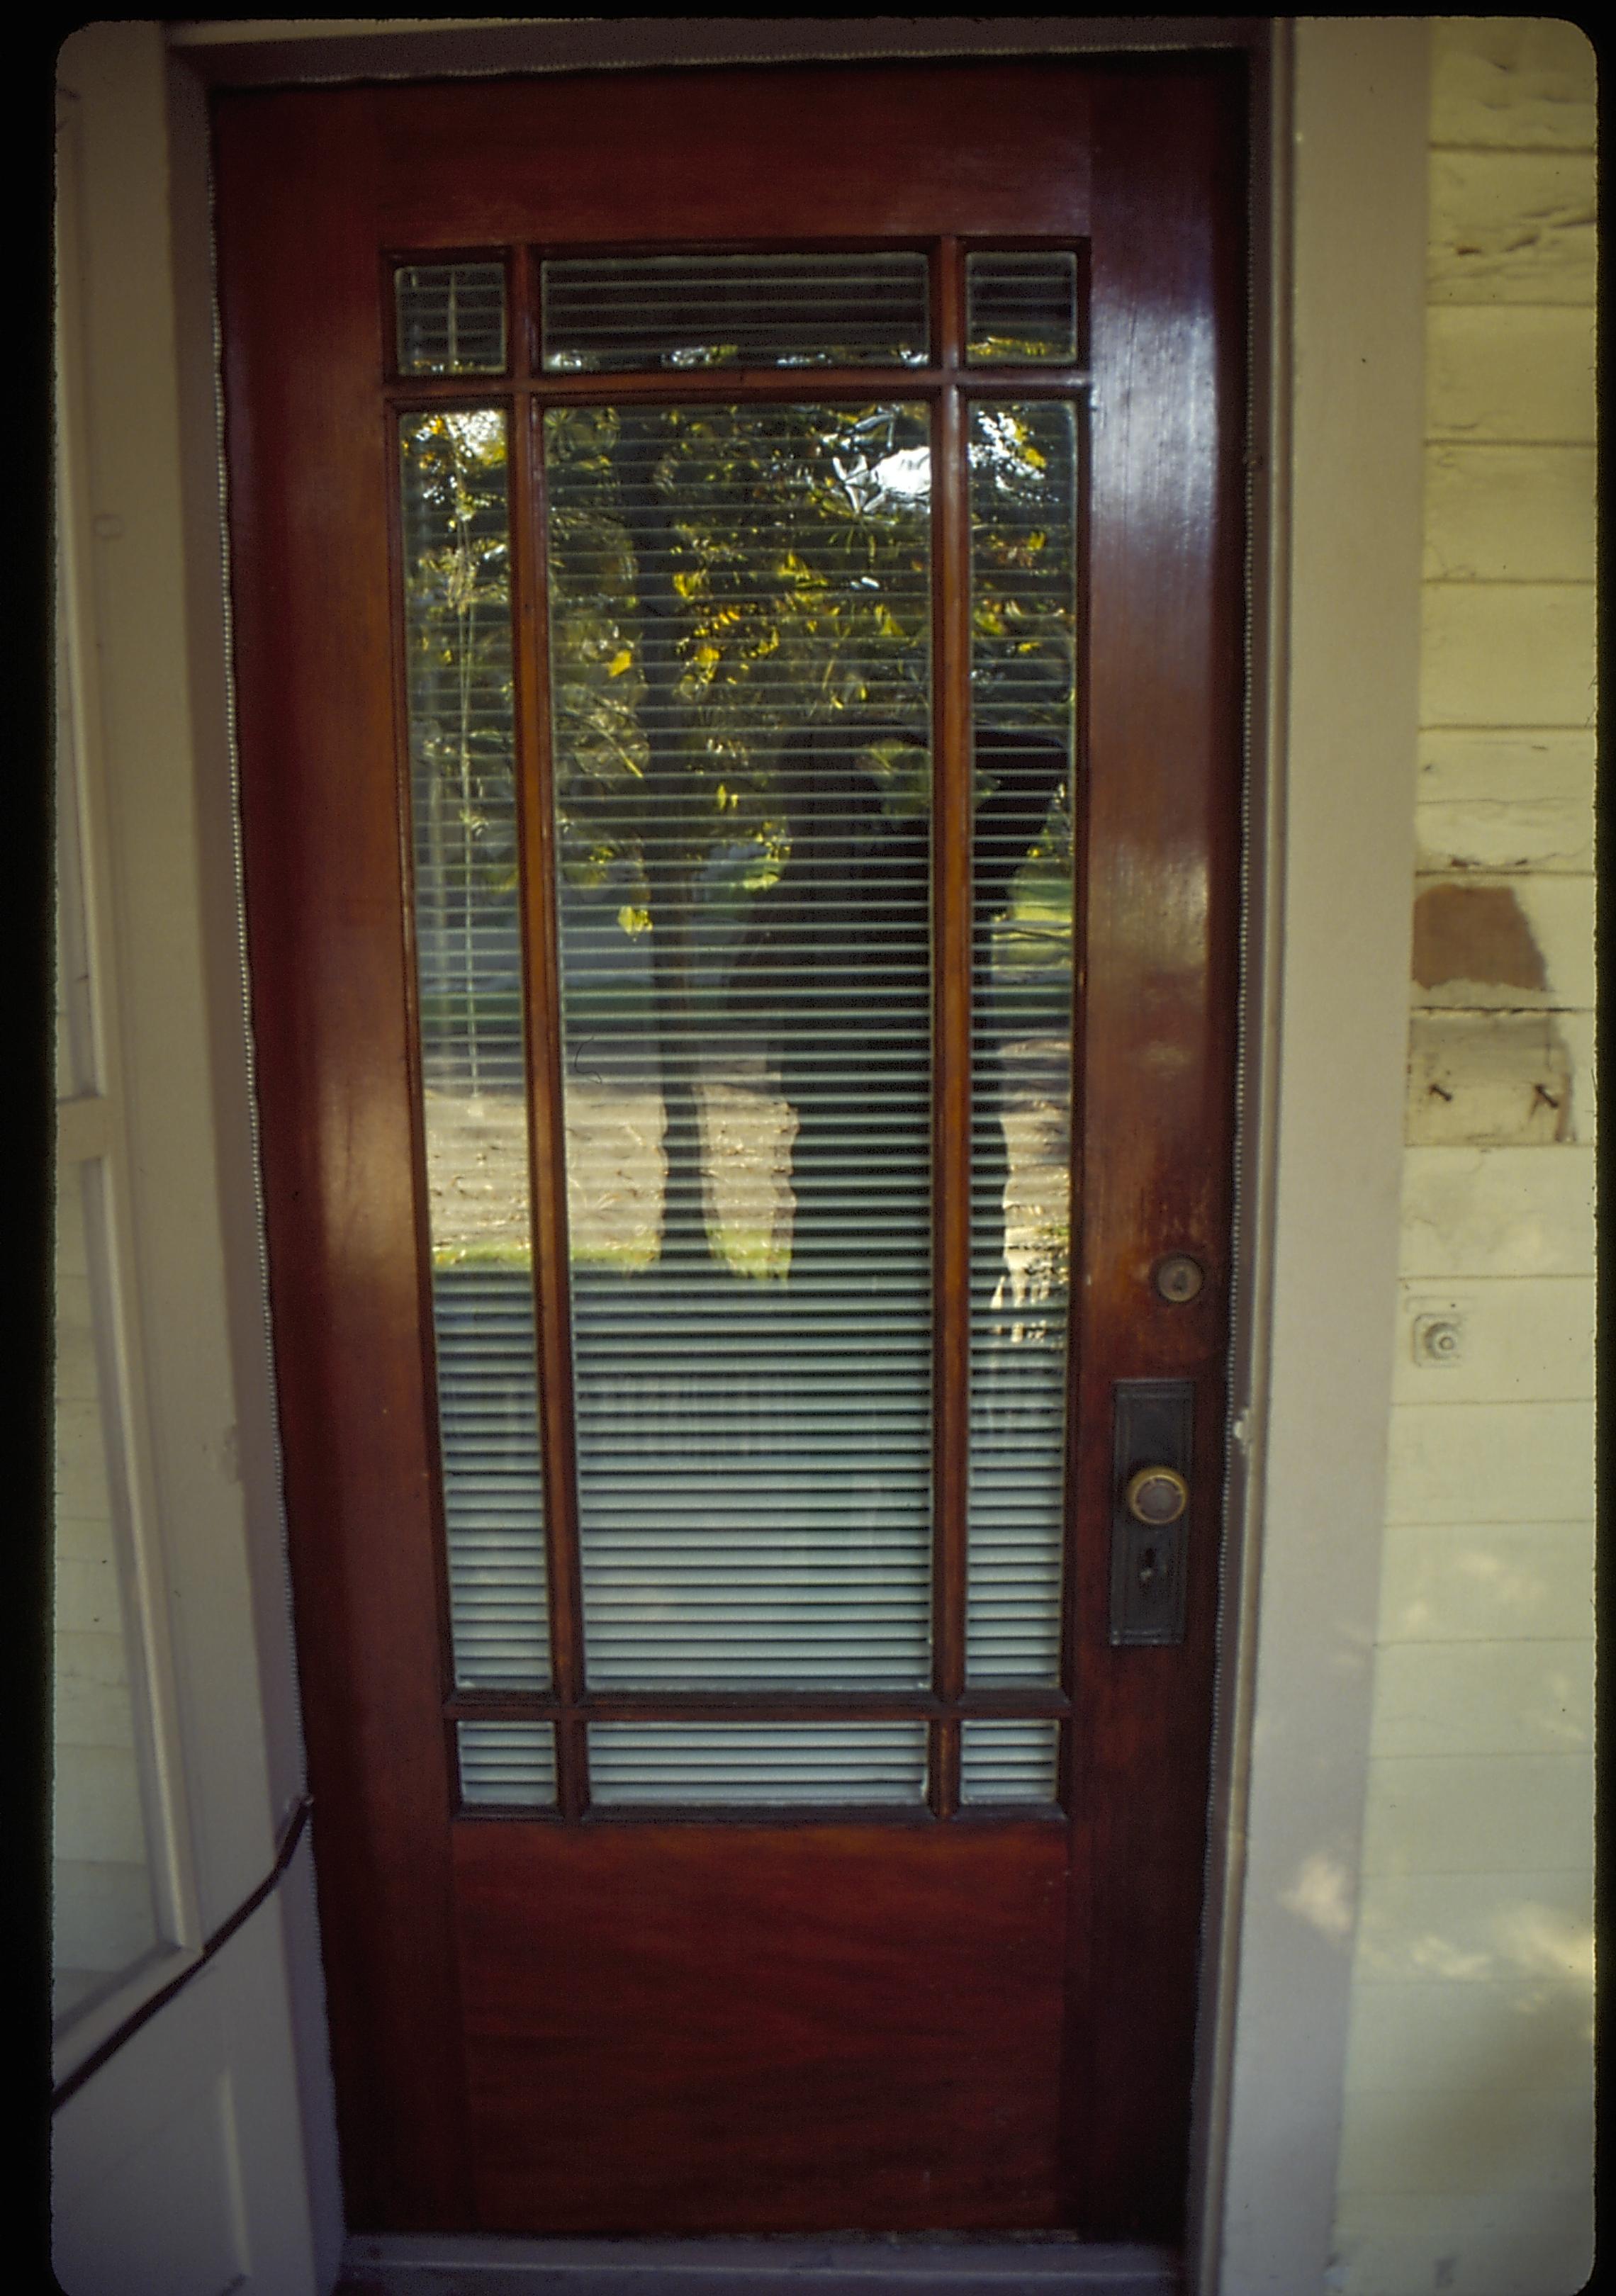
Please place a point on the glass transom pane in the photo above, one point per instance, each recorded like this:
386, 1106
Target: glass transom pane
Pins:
740, 667
469, 966
1021, 309
758, 1763
606, 313
451, 318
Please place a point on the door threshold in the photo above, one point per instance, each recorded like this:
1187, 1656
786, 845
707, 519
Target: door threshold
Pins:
834, 2265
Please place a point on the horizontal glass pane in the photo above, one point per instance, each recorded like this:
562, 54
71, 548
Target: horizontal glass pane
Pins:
513, 1763
758, 1763
103, 1920
468, 954
451, 318
1021, 309
1023, 608
602, 313
1008, 1761
740, 646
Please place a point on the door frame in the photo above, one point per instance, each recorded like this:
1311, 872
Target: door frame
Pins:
1339, 249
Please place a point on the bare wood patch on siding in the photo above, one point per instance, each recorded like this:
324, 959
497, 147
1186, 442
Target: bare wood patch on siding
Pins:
1474, 932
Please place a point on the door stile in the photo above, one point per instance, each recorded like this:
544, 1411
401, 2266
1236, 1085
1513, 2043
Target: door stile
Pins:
1164, 886
546, 1108
314, 662
951, 1025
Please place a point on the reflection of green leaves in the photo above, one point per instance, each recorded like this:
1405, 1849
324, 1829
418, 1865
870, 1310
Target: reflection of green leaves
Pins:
720, 577
458, 604
1023, 605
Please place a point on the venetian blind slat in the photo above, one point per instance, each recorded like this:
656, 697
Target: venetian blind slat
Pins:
468, 953
740, 644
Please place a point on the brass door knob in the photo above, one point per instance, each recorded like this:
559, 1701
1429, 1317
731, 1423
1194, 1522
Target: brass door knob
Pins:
1156, 1496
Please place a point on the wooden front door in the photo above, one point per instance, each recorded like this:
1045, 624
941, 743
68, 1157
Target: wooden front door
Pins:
738, 640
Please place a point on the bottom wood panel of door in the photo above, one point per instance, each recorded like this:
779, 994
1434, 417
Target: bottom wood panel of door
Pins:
741, 2027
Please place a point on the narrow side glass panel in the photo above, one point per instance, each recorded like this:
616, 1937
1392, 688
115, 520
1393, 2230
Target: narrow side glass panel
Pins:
507, 1763
1023, 607
1021, 309
451, 318
602, 313
468, 952
740, 647
1008, 1761
758, 1763
103, 1920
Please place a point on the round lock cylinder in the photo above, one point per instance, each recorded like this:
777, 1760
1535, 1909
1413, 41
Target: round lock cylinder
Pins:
1178, 1277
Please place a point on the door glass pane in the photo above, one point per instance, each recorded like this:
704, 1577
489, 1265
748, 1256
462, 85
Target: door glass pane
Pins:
763, 1763
1007, 1761
103, 1920
1023, 606
1021, 309
468, 954
616, 311
509, 1763
740, 658
451, 318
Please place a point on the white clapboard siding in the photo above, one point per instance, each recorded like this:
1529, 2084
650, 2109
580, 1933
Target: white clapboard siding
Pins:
1466, 2147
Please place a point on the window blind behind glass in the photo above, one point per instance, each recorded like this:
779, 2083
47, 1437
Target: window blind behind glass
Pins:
1023, 478
468, 953
740, 643
600, 313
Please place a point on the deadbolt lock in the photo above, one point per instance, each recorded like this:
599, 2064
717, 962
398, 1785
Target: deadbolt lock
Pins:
1178, 1277
1156, 1496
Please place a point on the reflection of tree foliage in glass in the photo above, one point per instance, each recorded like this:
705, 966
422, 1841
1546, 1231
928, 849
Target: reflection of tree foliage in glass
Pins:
458, 611
721, 576
1023, 603
724, 581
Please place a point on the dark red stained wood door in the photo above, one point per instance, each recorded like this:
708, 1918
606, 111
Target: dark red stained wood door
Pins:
586, 2025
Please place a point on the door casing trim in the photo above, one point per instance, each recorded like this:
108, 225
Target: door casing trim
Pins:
1270, 2103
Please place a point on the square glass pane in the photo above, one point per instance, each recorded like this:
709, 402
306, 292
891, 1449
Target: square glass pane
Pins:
451, 318
1021, 309
507, 1764
1008, 1761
